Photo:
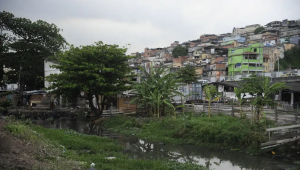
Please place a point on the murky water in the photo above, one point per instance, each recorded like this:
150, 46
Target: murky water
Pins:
212, 158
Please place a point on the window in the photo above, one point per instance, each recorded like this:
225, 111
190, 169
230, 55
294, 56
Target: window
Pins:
251, 57
238, 65
255, 50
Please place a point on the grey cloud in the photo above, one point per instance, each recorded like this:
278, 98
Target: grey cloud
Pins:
149, 23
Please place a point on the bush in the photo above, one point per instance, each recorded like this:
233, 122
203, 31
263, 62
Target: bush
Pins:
217, 131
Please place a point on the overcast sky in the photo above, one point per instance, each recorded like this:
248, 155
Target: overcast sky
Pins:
149, 23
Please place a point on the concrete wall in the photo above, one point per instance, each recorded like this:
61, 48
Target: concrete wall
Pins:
288, 46
269, 43
254, 37
48, 71
11, 87
295, 40
237, 38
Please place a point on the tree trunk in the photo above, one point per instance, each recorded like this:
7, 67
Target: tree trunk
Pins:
158, 111
21, 89
21, 84
209, 107
102, 104
35, 82
241, 111
257, 113
99, 113
203, 105
251, 114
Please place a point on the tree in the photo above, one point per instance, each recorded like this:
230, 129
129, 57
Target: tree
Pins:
188, 74
179, 51
98, 69
238, 94
262, 91
258, 30
3, 49
156, 90
211, 93
30, 42
5, 104
291, 59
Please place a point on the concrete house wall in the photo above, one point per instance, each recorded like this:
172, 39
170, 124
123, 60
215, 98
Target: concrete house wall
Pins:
48, 71
238, 65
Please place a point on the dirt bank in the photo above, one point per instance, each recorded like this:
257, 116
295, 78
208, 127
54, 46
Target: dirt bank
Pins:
21, 154
17, 153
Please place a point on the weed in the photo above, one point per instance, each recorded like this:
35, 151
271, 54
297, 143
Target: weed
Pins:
217, 131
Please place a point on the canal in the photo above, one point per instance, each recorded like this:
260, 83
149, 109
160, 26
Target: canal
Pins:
215, 159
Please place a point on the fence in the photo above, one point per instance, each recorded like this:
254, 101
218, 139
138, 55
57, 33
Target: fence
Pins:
277, 113
281, 135
238, 77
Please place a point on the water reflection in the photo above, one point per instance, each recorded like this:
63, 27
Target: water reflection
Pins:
140, 149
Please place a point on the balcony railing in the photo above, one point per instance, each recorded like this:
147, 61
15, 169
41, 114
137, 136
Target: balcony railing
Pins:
250, 61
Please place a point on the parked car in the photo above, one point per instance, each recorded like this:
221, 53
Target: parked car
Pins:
289, 75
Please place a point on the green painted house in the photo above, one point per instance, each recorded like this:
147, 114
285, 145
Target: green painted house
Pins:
245, 60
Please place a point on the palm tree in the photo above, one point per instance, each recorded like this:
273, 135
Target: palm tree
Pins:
210, 94
156, 90
238, 94
262, 90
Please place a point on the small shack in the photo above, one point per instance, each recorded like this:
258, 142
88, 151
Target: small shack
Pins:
37, 99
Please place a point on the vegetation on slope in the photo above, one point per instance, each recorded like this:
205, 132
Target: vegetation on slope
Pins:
179, 51
291, 59
81, 150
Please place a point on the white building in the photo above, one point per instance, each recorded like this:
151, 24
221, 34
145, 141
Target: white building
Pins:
48, 70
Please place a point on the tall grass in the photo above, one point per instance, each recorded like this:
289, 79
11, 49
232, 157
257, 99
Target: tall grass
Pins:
217, 131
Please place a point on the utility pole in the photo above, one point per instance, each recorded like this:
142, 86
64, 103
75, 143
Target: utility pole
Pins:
278, 67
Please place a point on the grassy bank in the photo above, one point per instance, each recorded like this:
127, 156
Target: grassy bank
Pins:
71, 150
217, 131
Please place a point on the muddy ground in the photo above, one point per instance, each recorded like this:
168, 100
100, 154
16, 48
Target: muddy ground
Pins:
16, 153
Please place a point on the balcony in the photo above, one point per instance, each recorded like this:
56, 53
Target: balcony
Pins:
203, 64
250, 68
250, 61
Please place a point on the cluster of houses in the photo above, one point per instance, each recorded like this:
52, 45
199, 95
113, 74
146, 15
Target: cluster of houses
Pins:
218, 59
227, 56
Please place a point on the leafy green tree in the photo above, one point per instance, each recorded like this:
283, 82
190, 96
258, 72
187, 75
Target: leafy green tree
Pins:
291, 59
156, 90
262, 91
258, 30
3, 49
211, 93
238, 94
179, 51
5, 104
98, 69
30, 42
188, 74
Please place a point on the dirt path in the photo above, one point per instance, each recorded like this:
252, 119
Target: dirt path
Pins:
16, 153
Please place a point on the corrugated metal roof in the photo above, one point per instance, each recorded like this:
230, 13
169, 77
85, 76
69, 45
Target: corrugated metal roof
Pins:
228, 42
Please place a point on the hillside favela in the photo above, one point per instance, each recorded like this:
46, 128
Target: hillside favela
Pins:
150, 85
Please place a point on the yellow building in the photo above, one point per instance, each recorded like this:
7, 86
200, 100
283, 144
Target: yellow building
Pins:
266, 62
199, 70
274, 55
